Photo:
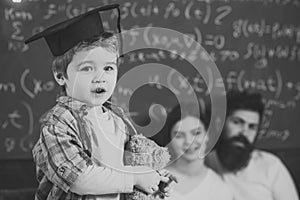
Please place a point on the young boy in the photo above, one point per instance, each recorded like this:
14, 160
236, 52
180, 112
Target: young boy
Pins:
79, 154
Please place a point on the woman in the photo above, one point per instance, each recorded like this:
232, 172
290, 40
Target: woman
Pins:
187, 132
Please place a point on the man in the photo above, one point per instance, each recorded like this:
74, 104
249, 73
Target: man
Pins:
252, 174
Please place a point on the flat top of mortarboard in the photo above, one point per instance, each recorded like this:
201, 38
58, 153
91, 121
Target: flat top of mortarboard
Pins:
64, 35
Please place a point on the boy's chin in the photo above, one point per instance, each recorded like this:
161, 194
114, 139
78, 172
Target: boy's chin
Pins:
96, 103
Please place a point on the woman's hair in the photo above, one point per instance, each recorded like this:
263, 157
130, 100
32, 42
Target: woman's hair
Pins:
107, 40
188, 109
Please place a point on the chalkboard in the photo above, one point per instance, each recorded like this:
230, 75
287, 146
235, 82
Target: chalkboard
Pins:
254, 43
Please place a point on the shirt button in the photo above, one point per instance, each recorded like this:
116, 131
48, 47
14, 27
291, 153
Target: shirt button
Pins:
62, 170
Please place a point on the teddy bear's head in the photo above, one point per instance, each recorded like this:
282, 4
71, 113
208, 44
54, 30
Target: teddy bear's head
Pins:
143, 151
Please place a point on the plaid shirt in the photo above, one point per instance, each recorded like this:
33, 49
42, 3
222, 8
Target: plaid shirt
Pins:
63, 150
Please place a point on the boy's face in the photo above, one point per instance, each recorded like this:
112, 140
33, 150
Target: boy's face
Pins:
92, 76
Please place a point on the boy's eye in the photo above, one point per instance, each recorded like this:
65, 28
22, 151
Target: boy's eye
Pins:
108, 68
87, 68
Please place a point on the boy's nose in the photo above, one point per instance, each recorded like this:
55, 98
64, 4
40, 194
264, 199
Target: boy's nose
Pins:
99, 77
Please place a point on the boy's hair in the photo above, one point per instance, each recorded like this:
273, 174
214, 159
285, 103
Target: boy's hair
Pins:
188, 109
244, 100
107, 40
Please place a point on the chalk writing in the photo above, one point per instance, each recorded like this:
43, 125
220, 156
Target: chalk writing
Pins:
11, 14
8, 87
264, 2
23, 145
22, 122
38, 85
12, 119
281, 135
279, 51
262, 28
9, 144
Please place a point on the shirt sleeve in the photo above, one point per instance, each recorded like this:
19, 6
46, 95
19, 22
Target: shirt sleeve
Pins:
102, 180
283, 186
62, 157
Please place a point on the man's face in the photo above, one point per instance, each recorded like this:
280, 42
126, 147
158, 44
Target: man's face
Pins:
242, 122
237, 139
92, 76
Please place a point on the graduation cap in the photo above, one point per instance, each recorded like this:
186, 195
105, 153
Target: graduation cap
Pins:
63, 36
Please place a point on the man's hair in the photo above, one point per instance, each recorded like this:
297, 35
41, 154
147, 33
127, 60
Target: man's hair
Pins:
188, 109
244, 100
106, 40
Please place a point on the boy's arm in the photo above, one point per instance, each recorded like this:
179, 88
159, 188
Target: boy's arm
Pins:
102, 180
63, 160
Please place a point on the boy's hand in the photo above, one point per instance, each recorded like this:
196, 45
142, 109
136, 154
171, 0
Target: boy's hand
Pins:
164, 187
147, 179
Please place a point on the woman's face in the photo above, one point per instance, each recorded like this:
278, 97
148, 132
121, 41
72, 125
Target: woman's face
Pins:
188, 139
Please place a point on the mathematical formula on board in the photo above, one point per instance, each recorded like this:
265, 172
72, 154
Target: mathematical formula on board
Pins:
273, 84
197, 11
185, 86
251, 50
20, 118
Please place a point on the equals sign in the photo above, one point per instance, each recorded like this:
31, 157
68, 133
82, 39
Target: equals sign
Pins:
209, 40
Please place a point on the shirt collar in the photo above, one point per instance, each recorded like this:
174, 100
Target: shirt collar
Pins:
73, 104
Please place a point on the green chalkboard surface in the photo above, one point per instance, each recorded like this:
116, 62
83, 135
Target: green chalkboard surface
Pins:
254, 43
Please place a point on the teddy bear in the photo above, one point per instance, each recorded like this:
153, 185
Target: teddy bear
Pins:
142, 151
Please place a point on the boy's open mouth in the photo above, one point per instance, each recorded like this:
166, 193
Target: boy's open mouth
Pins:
99, 90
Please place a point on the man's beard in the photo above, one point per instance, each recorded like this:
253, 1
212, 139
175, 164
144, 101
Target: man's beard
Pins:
233, 156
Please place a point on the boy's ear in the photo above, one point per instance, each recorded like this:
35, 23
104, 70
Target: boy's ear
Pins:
60, 79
